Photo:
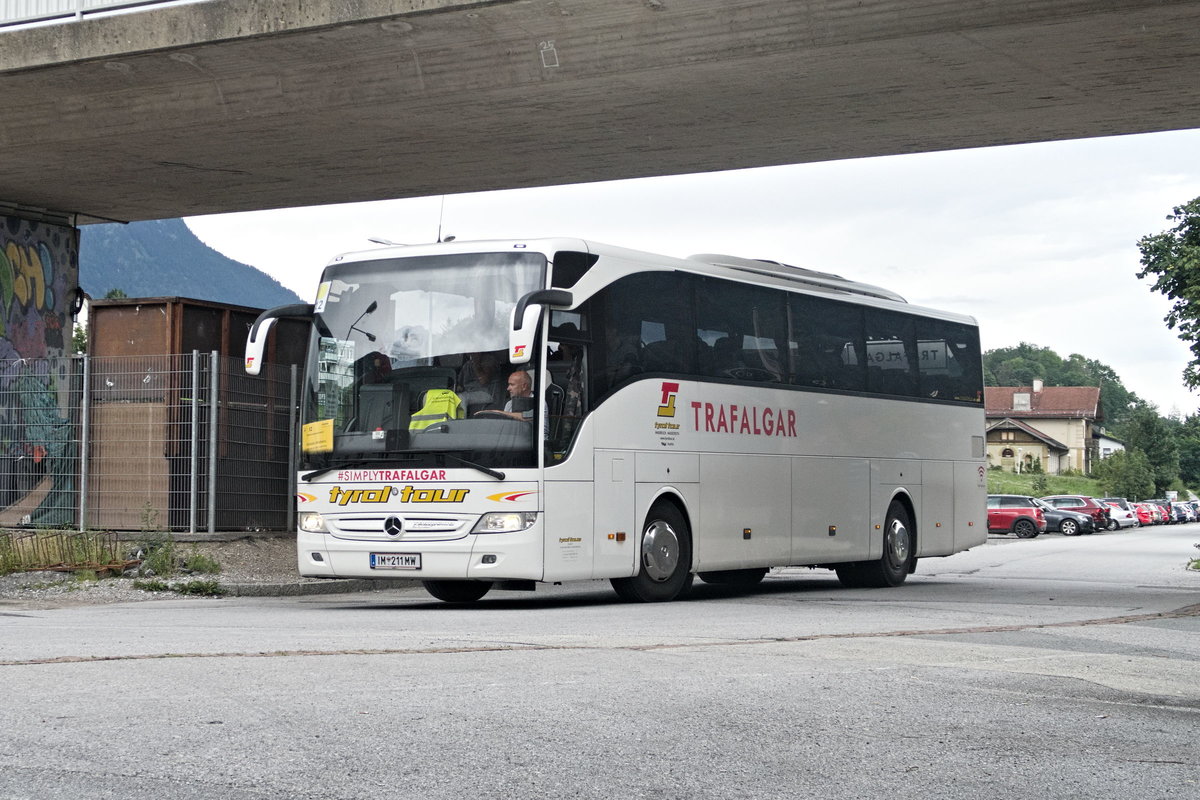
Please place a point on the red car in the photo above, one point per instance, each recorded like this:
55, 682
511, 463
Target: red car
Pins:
1145, 513
1015, 513
1100, 513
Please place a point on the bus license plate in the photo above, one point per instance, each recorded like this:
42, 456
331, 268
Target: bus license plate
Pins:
395, 560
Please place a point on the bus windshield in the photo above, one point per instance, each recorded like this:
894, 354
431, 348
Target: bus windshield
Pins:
408, 364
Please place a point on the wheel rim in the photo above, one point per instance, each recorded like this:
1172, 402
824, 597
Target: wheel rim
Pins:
660, 551
1068, 528
896, 542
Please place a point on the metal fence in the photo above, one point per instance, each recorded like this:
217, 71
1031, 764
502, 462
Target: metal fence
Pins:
180, 443
16, 12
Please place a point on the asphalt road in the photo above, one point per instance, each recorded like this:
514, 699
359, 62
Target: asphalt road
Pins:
1048, 668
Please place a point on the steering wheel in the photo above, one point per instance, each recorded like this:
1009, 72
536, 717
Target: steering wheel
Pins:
491, 412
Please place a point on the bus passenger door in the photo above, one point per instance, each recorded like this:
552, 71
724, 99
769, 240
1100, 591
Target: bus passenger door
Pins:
615, 532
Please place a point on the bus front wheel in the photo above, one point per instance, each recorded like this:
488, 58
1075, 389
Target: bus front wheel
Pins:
457, 591
899, 554
664, 559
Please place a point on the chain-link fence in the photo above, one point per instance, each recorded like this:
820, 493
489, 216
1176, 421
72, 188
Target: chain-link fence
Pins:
180, 443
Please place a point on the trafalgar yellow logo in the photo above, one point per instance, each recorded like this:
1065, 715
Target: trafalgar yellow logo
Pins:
667, 409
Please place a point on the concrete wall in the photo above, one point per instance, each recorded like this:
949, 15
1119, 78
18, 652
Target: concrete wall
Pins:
39, 273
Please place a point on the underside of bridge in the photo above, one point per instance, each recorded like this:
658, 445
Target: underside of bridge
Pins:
226, 105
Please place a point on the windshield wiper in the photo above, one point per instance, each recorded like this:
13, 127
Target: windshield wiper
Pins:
491, 473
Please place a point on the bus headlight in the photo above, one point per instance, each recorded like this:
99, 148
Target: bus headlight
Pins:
312, 522
505, 522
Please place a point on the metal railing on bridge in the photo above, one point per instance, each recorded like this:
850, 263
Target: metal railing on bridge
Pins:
21, 12
179, 443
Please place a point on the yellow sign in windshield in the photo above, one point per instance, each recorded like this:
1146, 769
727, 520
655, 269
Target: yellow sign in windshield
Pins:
317, 437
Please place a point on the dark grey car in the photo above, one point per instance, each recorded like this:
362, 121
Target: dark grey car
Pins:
1068, 523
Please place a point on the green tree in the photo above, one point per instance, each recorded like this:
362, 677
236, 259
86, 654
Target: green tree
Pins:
115, 294
1126, 473
1155, 436
79, 339
1188, 439
1173, 259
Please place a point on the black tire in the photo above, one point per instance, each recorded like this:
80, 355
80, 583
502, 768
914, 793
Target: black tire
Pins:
1025, 529
735, 577
1113, 525
665, 559
898, 559
1069, 527
457, 591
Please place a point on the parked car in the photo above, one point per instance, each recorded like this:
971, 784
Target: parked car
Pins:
1146, 514
1099, 512
1015, 513
1122, 514
1068, 523
1164, 508
1183, 512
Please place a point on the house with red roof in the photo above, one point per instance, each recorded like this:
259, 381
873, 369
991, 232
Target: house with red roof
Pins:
1055, 425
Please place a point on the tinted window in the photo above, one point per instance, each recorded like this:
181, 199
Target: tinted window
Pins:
646, 324
891, 353
825, 343
948, 361
740, 331
1017, 502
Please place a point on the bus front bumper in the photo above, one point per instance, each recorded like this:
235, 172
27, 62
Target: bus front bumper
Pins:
476, 556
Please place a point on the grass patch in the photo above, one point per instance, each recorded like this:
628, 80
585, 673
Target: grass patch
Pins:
1003, 482
198, 587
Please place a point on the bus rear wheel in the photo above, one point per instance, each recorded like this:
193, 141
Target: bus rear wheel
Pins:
457, 591
898, 559
664, 559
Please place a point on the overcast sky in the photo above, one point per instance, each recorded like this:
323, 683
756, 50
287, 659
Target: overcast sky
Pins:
1038, 242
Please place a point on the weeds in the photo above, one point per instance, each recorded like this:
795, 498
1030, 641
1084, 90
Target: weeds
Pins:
28, 551
202, 588
162, 556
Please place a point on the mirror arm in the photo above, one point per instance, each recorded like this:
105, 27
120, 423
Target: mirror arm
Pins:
541, 297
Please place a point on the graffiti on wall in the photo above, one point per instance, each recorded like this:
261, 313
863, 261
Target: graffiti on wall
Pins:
39, 272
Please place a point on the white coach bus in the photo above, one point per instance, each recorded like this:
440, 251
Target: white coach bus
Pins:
497, 414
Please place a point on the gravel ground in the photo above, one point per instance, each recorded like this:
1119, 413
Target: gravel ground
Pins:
259, 561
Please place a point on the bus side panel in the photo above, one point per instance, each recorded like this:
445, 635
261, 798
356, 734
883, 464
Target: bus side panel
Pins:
831, 519
745, 512
935, 530
568, 540
614, 556
970, 512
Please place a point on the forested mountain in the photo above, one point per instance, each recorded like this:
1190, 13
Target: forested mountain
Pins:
163, 258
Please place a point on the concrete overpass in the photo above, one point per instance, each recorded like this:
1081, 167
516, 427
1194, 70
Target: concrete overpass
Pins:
231, 105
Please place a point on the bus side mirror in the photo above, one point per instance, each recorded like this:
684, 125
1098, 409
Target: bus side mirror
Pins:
523, 326
256, 342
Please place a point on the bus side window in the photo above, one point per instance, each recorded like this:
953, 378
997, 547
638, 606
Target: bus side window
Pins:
891, 353
825, 340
